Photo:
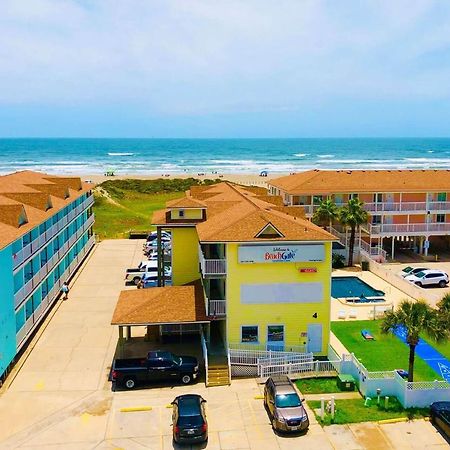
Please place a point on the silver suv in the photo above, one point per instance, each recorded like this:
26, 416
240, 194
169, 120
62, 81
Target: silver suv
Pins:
284, 405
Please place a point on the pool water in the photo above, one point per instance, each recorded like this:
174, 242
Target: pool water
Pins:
344, 287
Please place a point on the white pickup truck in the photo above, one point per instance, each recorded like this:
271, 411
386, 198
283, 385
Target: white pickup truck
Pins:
135, 275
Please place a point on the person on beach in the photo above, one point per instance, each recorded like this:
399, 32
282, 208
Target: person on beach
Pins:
65, 290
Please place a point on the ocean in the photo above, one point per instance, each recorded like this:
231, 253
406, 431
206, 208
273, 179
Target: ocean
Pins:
237, 156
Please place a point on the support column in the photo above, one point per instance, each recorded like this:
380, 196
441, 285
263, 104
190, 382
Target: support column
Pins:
421, 239
393, 247
128, 333
426, 246
121, 342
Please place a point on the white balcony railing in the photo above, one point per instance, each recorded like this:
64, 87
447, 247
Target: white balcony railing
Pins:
31, 248
408, 228
42, 308
31, 284
373, 252
217, 307
211, 266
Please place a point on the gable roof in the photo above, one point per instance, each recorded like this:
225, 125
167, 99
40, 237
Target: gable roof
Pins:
236, 214
185, 202
29, 198
349, 181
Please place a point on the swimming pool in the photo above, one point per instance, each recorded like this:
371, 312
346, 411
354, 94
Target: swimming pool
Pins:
347, 287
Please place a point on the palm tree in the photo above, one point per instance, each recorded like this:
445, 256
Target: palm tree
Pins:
415, 318
327, 212
353, 215
444, 308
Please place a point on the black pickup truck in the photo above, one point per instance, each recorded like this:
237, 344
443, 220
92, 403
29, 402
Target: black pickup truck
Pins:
158, 366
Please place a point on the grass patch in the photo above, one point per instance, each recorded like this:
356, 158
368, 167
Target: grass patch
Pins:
354, 411
386, 352
129, 204
318, 385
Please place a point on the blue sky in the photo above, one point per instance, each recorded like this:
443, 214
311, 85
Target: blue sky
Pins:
186, 68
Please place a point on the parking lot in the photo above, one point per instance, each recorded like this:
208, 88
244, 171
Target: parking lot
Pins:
61, 397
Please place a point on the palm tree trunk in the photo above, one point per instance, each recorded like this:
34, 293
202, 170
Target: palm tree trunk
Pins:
351, 246
412, 354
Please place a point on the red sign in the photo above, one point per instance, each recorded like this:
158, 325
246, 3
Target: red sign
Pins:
308, 270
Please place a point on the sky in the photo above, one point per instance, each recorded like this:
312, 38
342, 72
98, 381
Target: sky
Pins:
228, 68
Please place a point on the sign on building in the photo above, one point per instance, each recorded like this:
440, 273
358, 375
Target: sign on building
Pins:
281, 253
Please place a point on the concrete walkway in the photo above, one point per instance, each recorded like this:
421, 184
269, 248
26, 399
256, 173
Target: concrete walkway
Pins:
61, 398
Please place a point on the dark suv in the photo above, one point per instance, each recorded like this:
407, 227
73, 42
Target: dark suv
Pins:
284, 405
189, 419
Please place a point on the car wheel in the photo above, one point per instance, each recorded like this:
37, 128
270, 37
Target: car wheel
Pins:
130, 383
274, 424
136, 280
186, 379
418, 283
442, 284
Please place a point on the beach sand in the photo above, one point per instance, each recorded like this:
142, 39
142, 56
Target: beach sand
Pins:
245, 179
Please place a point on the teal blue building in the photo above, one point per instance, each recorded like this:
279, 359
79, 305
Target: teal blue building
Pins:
45, 233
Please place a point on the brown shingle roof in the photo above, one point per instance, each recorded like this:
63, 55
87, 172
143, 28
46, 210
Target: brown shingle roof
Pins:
33, 192
185, 202
161, 305
349, 181
236, 214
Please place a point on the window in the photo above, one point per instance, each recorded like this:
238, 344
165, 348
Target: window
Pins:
378, 198
376, 220
317, 199
440, 218
249, 334
350, 196
181, 213
442, 197
275, 333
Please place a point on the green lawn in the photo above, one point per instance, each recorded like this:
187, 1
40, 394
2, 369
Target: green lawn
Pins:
354, 411
133, 212
317, 385
386, 352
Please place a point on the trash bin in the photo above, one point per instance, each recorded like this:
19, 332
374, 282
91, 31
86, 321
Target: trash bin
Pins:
346, 382
364, 265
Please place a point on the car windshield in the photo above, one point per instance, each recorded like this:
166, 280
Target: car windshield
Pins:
190, 421
287, 401
420, 274
177, 360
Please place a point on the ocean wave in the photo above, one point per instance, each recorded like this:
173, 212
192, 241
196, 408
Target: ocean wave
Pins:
428, 160
120, 153
326, 156
301, 155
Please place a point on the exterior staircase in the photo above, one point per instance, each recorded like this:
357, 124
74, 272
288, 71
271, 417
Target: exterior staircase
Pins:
217, 373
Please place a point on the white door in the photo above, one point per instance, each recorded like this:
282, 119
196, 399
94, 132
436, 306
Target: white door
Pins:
314, 337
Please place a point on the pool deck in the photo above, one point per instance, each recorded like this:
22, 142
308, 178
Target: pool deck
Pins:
340, 310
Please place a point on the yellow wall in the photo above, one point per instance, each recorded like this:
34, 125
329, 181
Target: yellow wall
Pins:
190, 213
184, 255
294, 316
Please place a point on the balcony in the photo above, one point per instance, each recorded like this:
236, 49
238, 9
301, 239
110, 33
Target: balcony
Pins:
31, 248
212, 267
31, 284
216, 307
40, 311
401, 229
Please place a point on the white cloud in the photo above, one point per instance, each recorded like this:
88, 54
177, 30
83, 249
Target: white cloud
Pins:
192, 56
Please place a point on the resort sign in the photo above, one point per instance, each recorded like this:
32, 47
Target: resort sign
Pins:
280, 253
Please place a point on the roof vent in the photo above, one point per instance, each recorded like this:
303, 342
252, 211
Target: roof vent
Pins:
349, 172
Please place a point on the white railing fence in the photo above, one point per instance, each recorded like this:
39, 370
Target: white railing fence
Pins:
216, 307
251, 356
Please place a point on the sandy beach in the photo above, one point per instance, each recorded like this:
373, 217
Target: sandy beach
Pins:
246, 179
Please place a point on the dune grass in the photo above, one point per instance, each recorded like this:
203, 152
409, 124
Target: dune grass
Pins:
354, 411
386, 352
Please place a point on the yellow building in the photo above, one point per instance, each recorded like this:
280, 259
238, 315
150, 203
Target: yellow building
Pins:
264, 268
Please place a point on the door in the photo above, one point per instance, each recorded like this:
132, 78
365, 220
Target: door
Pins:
275, 337
314, 337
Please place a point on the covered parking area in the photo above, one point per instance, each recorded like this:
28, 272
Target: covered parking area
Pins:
169, 318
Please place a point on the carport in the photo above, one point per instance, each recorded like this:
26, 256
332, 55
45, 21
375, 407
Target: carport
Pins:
161, 312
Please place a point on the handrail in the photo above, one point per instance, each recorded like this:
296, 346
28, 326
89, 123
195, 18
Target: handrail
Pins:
205, 353
28, 250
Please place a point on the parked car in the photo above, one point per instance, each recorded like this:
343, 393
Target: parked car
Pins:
283, 403
165, 236
189, 419
429, 277
412, 270
157, 366
145, 267
150, 279
440, 417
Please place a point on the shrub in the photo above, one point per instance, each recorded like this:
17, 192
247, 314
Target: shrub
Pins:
337, 261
